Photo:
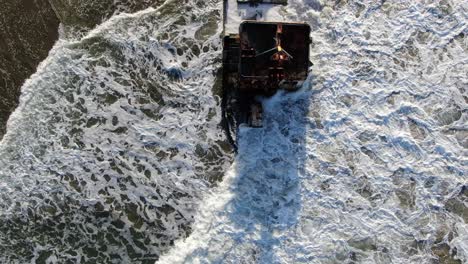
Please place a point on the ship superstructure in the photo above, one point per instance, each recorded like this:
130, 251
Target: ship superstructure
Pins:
261, 54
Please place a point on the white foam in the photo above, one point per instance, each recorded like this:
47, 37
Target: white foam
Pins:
366, 164
374, 171
236, 13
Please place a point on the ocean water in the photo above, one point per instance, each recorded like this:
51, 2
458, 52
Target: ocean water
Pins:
367, 163
115, 139
115, 154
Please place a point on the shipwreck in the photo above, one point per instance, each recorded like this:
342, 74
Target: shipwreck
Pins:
260, 57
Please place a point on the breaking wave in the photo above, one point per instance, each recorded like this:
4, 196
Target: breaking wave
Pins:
115, 151
115, 139
367, 163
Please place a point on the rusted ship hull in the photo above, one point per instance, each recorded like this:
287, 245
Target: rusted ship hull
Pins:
259, 58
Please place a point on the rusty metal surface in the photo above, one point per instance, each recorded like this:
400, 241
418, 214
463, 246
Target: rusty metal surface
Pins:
262, 58
271, 53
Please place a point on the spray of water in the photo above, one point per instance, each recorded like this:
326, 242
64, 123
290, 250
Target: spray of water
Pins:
115, 139
367, 163
112, 152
